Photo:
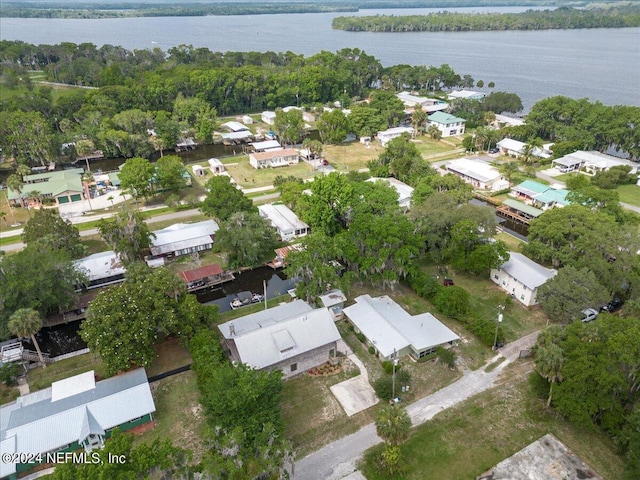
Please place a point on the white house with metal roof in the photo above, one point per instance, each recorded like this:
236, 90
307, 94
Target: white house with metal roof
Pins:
466, 95
103, 268
293, 338
286, 223
404, 191
268, 117
391, 133
521, 277
516, 148
279, 157
477, 173
448, 124
393, 332
183, 239
74, 413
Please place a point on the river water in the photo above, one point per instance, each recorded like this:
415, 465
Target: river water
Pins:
599, 64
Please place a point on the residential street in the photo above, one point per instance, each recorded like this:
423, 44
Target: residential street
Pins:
338, 459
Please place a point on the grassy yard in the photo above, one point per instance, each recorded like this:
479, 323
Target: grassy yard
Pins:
629, 194
39, 378
312, 415
178, 416
351, 156
428, 146
248, 177
467, 440
512, 242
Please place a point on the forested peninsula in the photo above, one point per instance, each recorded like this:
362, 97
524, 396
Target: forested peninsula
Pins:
85, 9
561, 18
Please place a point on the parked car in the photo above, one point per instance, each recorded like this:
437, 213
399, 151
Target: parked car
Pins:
494, 150
447, 282
589, 314
612, 306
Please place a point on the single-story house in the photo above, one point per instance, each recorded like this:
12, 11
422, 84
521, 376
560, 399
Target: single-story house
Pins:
266, 146
509, 146
268, 117
391, 133
293, 338
183, 239
64, 186
74, 413
509, 121
333, 300
521, 277
286, 223
216, 166
404, 191
103, 268
393, 332
235, 127
448, 124
466, 95
477, 173
540, 195
594, 162
274, 158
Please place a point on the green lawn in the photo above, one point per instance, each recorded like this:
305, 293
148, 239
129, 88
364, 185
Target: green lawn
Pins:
465, 441
39, 378
629, 194
428, 146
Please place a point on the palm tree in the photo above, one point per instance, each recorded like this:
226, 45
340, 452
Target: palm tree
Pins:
508, 169
393, 424
15, 183
110, 198
418, 120
549, 362
528, 151
434, 132
26, 322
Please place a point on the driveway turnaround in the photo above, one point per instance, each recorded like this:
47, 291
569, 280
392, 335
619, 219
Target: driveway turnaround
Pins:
338, 460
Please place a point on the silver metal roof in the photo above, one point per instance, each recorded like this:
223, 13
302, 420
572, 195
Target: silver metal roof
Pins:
183, 235
287, 338
263, 318
281, 217
332, 297
101, 265
526, 271
390, 328
46, 425
477, 170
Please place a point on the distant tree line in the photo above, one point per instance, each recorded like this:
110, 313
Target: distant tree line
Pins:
561, 18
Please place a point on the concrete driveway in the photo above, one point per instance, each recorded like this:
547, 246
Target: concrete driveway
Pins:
355, 394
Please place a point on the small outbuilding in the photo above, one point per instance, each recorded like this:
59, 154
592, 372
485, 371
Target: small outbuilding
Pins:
268, 117
198, 170
334, 300
216, 166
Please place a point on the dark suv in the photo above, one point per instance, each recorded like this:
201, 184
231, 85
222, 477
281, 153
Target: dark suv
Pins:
612, 306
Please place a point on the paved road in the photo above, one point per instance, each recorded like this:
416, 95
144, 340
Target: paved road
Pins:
94, 231
338, 459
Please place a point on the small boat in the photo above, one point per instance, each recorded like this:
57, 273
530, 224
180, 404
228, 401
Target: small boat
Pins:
242, 299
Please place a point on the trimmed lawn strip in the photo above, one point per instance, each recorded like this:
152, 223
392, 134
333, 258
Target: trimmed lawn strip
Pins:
467, 440
178, 416
313, 416
248, 177
629, 194
39, 378
256, 307
514, 243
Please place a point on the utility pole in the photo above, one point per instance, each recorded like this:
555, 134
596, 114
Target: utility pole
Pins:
495, 338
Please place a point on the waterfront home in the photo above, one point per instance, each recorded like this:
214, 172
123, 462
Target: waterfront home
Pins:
293, 338
286, 223
235, 127
101, 269
521, 277
274, 158
518, 211
428, 105
448, 124
265, 146
76, 413
207, 276
466, 95
386, 136
540, 195
403, 190
393, 333
183, 239
478, 173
